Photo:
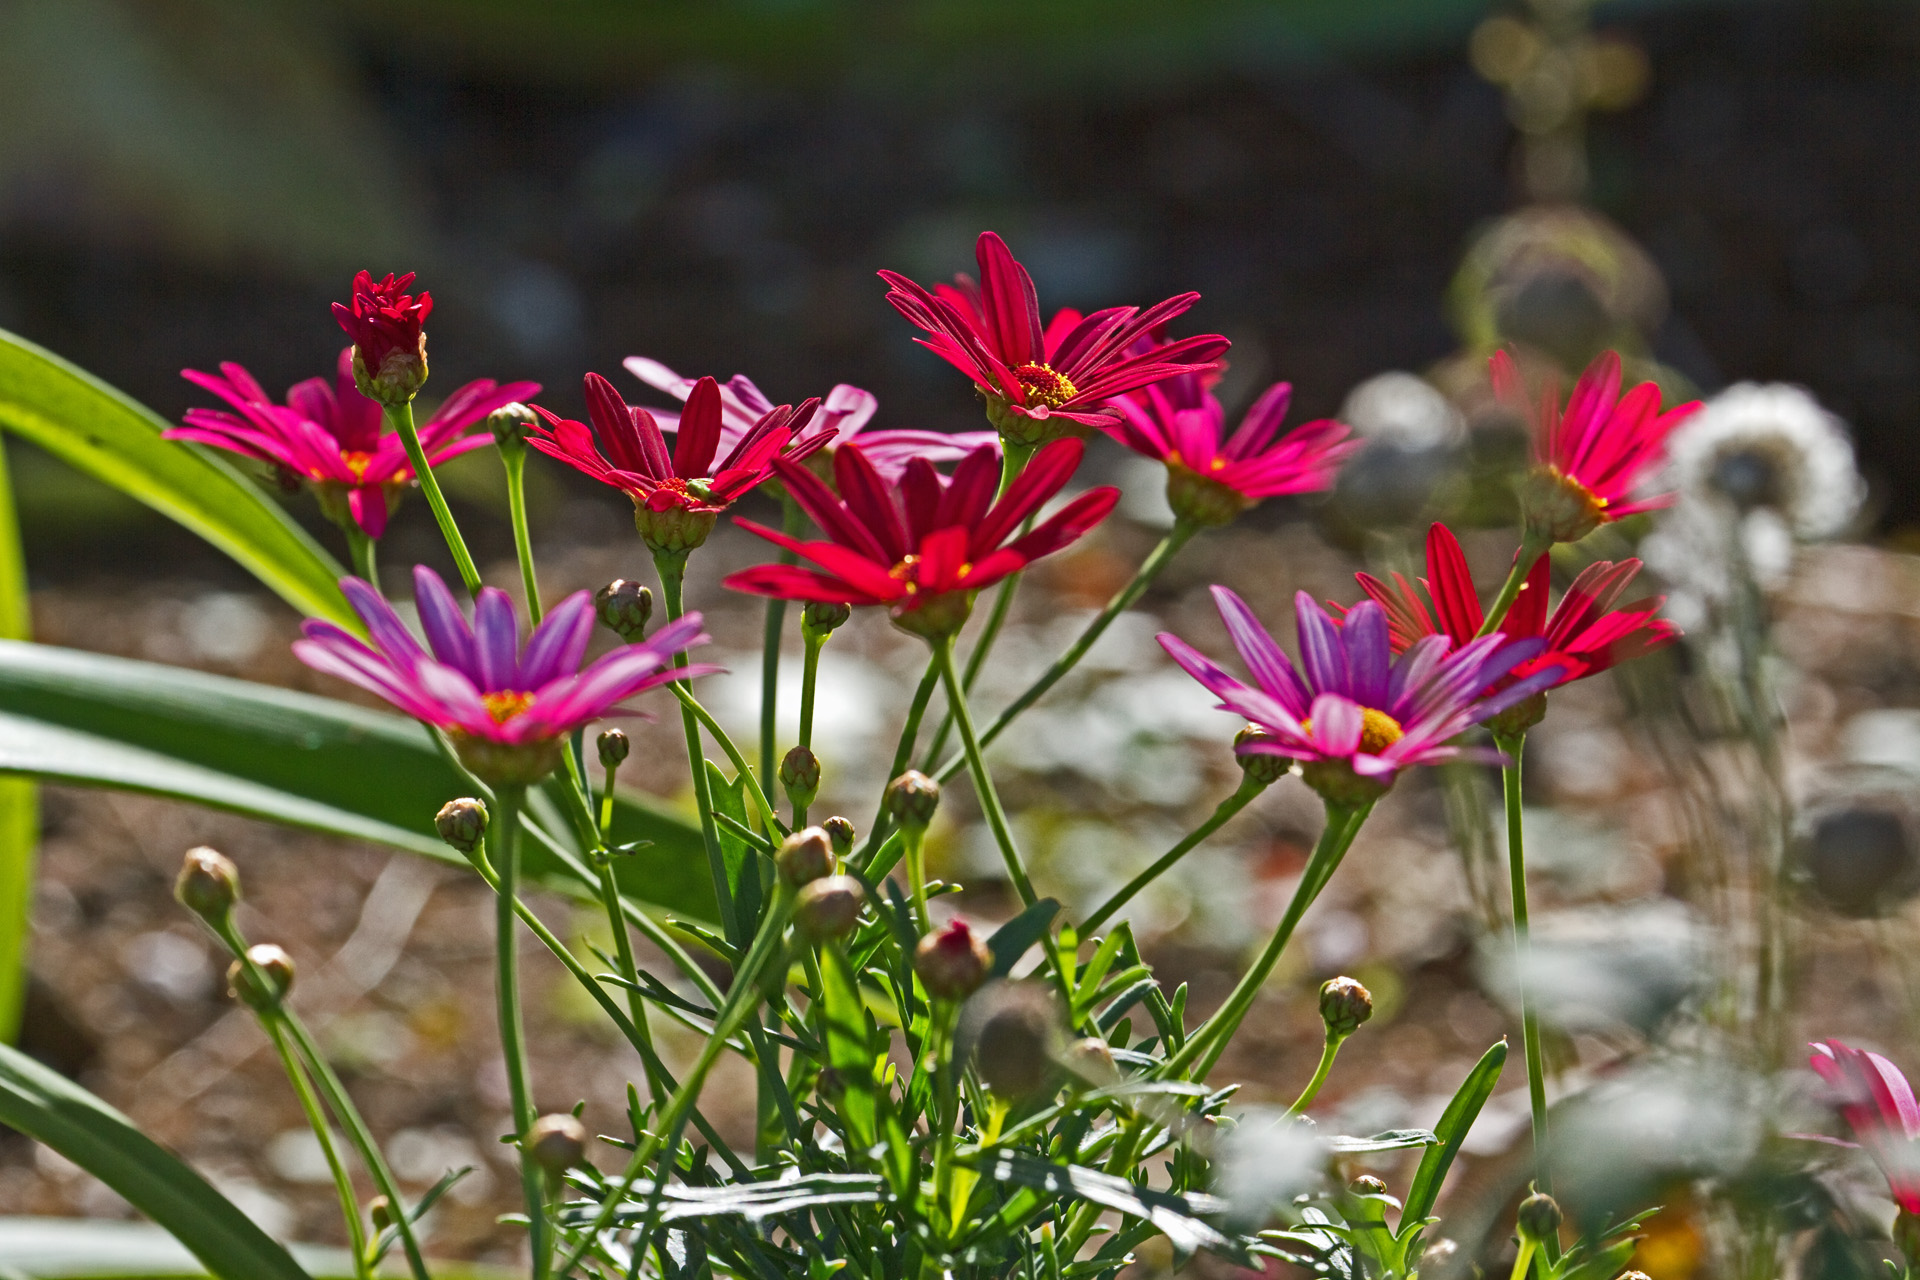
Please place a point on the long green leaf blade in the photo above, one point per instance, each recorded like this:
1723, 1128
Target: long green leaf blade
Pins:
1452, 1131
54, 1110
113, 438
19, 798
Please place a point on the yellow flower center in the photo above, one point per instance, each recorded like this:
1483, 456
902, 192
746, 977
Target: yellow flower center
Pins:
1378, 731
505, 704
357, 462
1045, 385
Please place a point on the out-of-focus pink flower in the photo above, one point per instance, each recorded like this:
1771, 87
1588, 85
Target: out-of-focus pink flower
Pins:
388, 328
1878, 1105
1212, 476
1590, 457
1041, 384
847, 411
330, 436
925, 546
1352, 713
507, 709
675, 498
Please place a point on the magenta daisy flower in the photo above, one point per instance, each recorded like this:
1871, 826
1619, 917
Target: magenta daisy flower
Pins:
846, 412
1878, 1105
329, 437
1213, 476
507, 708
1352, 713
1042, 383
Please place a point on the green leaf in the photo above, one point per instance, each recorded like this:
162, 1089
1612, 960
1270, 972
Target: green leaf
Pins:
1391, 1140
87, 1249
1452, 1131
1011, 940
1173, 1215
754, 1201
849, 1047
91, 720
97, 429
19, 798
743, 861
54, 1110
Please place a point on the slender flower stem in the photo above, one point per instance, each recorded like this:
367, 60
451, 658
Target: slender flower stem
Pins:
812, 642
902, 754
1222, 814
400, 418
982, 780
1328, 1052
1204, 1047
365, 562
1532, 547
513, 457
791, 524
624, 960
1512, 745
755, 792
673, 571
503, 852
1523, 1261
323, 1132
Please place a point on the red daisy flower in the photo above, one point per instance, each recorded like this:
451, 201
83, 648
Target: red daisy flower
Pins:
1584, 636
1590, 457
1041, 384
388, 328
1878, 1105
922, 547
677, 497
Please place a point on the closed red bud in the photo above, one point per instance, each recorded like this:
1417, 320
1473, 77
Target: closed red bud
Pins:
951, 962
804, 856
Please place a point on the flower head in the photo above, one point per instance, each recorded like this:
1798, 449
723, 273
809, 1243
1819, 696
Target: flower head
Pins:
676, 498
387, 326
1590, 457
846, 412
1352, 713
1771, 446
924, 546
1211, 476
1878, 1106
507, 707
330, 436
1584, 636
1043, 383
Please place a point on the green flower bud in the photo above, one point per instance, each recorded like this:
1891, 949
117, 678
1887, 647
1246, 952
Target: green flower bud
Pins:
823, 618
912, 799
840, 832
828, 907
1539, 1217
380, 1209
624, 607
462, 824
804, 856
1091, 1058
614, 746
1367, 1185
1258, 765
951, 962
800, 777
208, 885
275, 967
557, 1143
509, 425
1344, 1006
1015, 1030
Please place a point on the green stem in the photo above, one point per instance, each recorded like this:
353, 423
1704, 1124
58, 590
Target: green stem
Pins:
1512, 745
1523, 1261
790, 523
365, 563
673, 571
915, 840
1328, 1052
982, 780
755, 792
1532, 547
1222, 814
400, 418
902, 754
811, 641
503, 852
323, 1131
624, 961
1156, 562
1204, 1047
513, 457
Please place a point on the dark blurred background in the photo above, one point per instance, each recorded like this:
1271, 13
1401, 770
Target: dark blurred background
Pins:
189, 181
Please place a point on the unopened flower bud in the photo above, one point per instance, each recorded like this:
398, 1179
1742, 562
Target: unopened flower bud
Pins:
380, 1209
1259, 766
614, 747
1367, 1185
1344, 1006
1440, 1252
624, 607
828, 907
830, 1087
840, 833
557, 1143
912, 799
1539, 1217
208, 885
824, 617
509, 425
1091, 1058
1629, 1275
800, 777
804, 856
1015, 1031
462, 823
952, 962
269, 987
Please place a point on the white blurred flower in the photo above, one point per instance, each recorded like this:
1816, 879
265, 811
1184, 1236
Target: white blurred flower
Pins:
1404, 411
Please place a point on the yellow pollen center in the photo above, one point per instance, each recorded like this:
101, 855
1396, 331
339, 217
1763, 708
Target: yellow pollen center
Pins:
357, 462
505, 704
1594, 501
1045, 385
1378, 731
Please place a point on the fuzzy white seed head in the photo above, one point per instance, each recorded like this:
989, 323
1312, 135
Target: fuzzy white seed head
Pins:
1770, 446
1403, 411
